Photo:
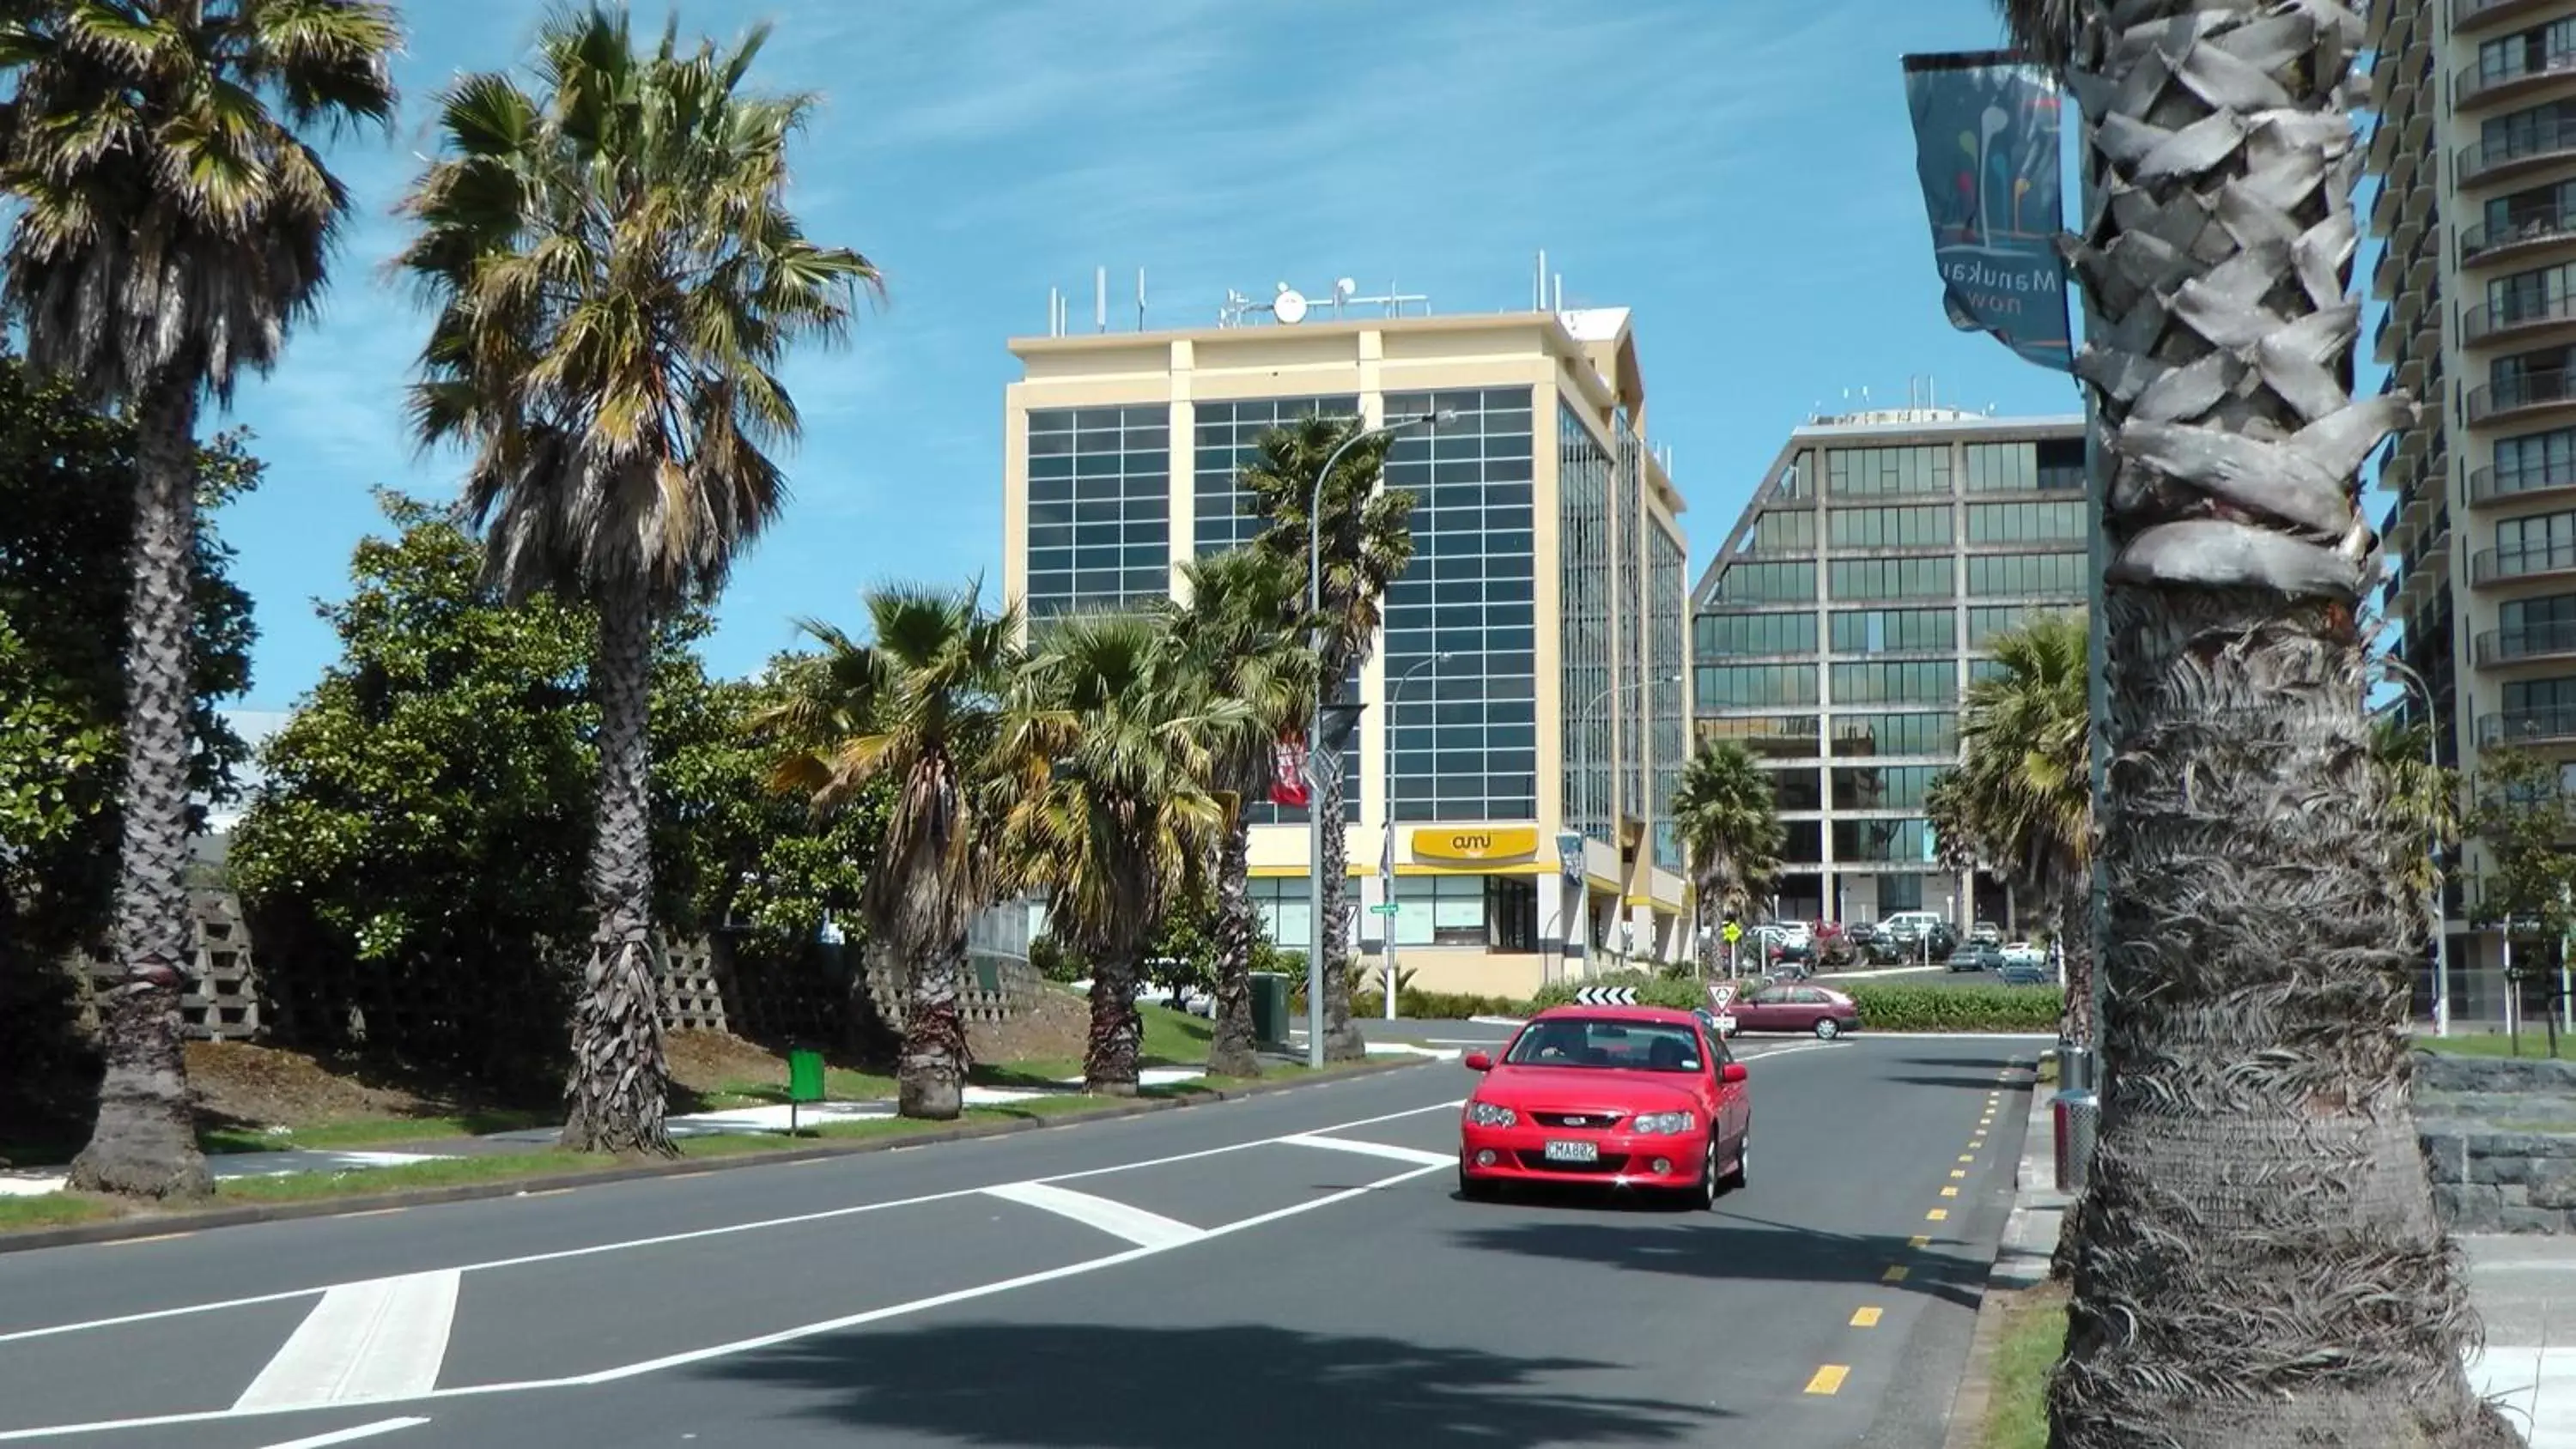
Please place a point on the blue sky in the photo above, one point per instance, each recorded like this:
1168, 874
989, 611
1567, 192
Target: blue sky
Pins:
1740, 174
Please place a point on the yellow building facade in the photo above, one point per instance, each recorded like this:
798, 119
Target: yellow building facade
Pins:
1536, 649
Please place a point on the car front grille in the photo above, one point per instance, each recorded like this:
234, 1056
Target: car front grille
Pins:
1594, 1121
1606, 1164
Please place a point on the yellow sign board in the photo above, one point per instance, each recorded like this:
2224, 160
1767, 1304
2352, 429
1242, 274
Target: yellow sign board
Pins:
1483, 842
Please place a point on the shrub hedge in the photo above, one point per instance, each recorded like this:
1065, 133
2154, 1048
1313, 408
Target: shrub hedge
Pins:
1887, 1007
1434, 1005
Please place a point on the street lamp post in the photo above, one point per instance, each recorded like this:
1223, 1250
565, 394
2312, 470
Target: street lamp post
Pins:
1583, 773
2433, 905
1386, 877
1315, 724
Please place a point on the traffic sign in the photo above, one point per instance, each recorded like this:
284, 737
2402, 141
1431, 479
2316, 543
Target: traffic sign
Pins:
1606, 995
1733, 933
1384, 909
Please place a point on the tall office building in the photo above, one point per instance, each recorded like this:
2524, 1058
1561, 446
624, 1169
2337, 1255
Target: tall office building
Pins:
2473, 157
1534, 648
1844, 618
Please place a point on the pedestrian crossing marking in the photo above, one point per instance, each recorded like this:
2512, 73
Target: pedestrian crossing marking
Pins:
1949, 1192
1919, 1240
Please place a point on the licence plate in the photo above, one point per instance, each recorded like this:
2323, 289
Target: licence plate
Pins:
1726, 1025
1574, 1152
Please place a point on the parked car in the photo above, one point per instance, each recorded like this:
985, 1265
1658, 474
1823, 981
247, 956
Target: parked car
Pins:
2026, 965
1977, 955
1878, 946
1986, 933
1833, 945
2025, 953
1797, 1006
1922, 935
1629, 1096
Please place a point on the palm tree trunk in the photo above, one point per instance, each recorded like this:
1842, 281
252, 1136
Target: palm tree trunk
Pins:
1109, 1062
930, 1080
2259, 1261
1342, 1039
1233, 1051
145, 1140
614, 1096
2074, 909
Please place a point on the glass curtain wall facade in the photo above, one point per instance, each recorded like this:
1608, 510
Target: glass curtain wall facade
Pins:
1583, 593
1465, 742
1629, 576
1667, 589
1837, 648
1100, 508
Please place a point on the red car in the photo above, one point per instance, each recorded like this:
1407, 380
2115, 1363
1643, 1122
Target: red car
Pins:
1796, 1006
1628, 1096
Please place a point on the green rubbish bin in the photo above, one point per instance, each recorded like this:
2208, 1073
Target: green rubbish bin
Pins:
1270, 1008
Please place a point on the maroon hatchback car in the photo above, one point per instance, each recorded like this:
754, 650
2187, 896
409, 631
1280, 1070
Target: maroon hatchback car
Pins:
1796, 1006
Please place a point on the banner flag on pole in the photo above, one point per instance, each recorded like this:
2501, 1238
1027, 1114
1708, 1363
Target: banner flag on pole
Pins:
1986, 151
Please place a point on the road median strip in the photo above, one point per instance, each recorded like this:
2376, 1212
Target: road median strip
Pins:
549, 1176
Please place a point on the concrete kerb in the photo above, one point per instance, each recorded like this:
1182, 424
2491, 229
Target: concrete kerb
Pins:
161, 1224
2010, 1273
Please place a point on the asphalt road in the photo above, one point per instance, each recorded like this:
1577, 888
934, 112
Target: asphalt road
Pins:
1289, 1269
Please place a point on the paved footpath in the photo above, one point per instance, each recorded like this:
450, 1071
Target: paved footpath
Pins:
1282, 1270
2524, 1288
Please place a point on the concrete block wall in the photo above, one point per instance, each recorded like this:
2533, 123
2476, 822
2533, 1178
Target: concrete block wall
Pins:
2499, 1138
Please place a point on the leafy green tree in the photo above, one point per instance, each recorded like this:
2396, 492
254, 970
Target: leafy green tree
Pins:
2021, 800
66, 528
1239, 632
168, 225
923, 706
2259, 1260
2525, 819
617, 280
1120, 823
2423, 799
1367, 540
1730, 832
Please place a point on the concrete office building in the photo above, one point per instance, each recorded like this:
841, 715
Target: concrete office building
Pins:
1536, 645
1841, 623
2473, 207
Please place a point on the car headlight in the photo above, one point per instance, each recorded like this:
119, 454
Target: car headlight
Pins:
1664, 1124
1489, 1114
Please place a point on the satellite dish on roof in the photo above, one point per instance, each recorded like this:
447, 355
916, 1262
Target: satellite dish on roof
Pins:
1289, 306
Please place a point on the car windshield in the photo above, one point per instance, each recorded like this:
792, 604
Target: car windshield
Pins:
1636, 1046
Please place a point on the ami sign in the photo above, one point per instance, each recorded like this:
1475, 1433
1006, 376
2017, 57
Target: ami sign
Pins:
1453, 845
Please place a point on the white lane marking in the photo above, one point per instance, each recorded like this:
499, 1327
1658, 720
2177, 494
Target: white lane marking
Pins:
364, 1343
1117, 1219
348, 1436
768, 1340
1371, 1149
660, 1240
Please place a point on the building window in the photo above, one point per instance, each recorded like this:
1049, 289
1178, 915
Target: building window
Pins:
1884, 787
1796, 789
1759, 583
1228, 438
1785, 530
2532, 545
1858, 735
1668, 599
2006, 574
1802, 842
1987, 620
1628, 568
1982, 670
1100, 508
2552, 697
1894, 631
2531, 131
1583, 623
1773, 737
1721, 635
1891, 578
2002, 467
2530, 296
1882, 472
1883, 842
2537, 51
1741, 686
1922, 526
2535, 460
1798, 480
1465, 738
2025, 522
1896, 682
1899, 893
2538, 206
1287, 919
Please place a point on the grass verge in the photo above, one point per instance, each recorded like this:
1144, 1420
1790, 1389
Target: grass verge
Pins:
367, 1132
2535, 1043
2033, 1335
53, 1210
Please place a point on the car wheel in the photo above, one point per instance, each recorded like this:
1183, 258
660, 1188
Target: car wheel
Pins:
1734, 1181
1827, 1029
1703, 1196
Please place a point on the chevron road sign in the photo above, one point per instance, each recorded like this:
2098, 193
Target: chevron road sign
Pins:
1606, 995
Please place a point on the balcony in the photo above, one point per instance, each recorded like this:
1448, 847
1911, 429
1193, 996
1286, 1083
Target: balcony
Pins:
2479, 85
2487, 486
2554, 725
2514, 565
2518, 152
2482, 246
2554, 640
2515, 319
2475, 15
2514, 396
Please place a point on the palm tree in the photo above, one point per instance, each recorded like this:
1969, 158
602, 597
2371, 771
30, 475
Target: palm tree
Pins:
2258, 1257
1122, 818
925, 704
1238, 632
2423, 799
1367, 541
168, 225
1731, 832
617, 279
2021, 800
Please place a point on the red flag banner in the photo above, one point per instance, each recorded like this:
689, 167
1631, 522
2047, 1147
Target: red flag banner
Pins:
1288, 774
